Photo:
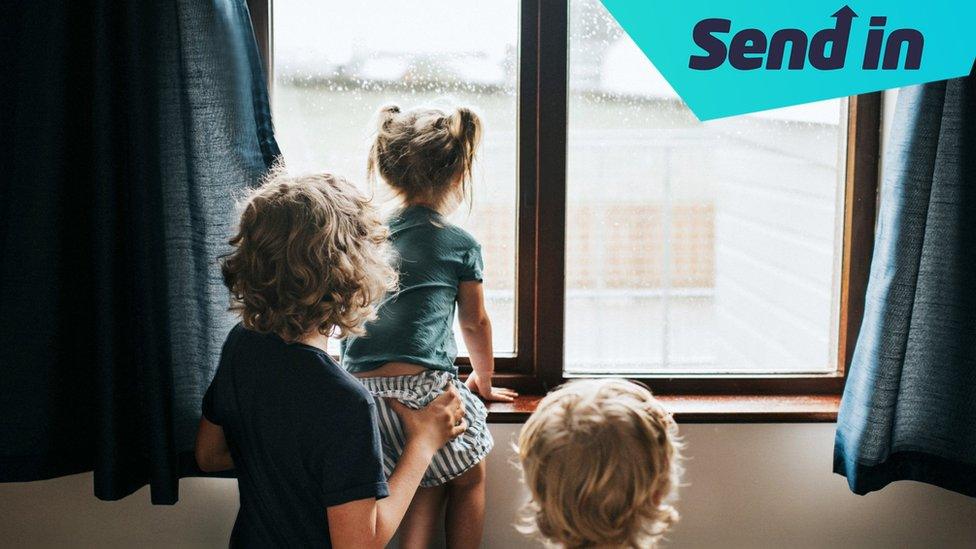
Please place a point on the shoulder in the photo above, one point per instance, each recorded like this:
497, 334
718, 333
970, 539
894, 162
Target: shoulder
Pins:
241, 336
341, 388
353, 392
343, 408
235, 333
433, 227
459, 239
236, 338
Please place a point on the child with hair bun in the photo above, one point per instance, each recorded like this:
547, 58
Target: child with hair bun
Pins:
425, 157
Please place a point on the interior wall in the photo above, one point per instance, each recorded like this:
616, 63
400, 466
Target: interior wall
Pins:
746, 486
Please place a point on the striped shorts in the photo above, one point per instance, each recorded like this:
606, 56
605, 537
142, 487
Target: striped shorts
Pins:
416, 391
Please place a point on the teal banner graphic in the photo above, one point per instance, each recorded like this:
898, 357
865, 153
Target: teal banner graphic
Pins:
728, 57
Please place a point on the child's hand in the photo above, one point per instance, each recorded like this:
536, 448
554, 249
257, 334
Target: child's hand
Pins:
437, 423
483, 388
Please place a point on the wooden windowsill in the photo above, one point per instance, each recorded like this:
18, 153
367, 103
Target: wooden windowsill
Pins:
710, 409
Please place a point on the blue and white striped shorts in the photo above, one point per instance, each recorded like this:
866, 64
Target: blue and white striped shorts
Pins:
416, 391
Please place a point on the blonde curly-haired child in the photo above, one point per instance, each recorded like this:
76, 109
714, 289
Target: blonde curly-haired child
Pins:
601, 459
310, 260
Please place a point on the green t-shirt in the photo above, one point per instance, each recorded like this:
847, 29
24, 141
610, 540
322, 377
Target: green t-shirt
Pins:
415, 323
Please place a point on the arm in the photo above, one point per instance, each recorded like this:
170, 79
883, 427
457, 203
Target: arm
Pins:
371, 523
212, 452
476, 330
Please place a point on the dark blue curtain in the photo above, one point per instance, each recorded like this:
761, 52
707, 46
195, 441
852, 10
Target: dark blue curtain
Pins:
128, 128
909, 408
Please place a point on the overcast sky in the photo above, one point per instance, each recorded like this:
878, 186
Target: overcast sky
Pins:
329, 30
326, 32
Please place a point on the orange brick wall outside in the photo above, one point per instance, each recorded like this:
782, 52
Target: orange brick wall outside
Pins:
611, 246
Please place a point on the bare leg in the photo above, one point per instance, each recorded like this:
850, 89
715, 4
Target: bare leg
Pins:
420, 523
465, 521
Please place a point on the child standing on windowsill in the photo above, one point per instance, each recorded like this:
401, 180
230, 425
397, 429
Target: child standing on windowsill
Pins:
408, 352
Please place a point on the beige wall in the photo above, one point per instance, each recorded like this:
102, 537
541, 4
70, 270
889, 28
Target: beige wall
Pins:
748, 486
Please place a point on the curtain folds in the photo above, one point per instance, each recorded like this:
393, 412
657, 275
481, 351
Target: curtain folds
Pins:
129, 129
909, 408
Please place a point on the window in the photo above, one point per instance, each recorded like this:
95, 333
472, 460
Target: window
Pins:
621, 235
694, 247
337, 62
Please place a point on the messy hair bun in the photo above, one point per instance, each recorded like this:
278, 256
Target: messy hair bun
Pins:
387, 112
423, 153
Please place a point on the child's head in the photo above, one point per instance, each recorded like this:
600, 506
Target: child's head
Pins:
426, 156
601, 460
310, 254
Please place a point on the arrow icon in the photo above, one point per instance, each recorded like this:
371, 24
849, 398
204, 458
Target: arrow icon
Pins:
838, 38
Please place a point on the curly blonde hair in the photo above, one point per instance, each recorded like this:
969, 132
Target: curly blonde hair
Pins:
601, 459
421, 153
311, 254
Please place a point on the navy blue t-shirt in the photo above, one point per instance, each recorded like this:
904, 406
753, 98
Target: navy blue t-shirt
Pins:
303, 434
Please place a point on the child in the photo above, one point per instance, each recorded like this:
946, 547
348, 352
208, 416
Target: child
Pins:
309, 260
601, 460
425, 156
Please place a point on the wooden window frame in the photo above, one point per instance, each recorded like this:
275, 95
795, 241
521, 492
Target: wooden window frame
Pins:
537, 364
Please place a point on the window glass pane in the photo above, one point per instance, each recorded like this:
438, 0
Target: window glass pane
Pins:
694, 247
337, 62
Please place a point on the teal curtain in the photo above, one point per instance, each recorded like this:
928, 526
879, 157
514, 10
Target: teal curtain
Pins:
909, 407
129, 128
